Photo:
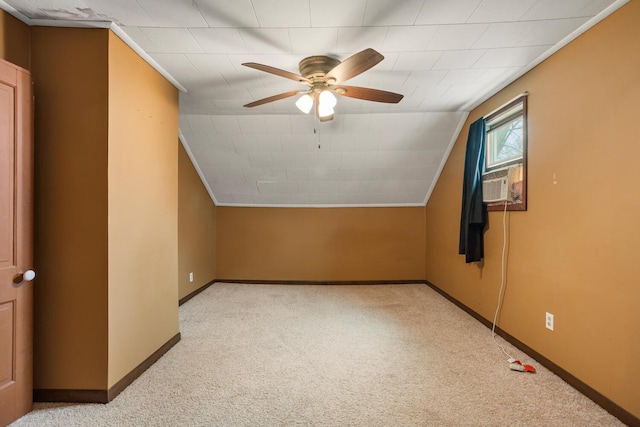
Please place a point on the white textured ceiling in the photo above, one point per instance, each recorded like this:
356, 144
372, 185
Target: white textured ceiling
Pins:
444, 56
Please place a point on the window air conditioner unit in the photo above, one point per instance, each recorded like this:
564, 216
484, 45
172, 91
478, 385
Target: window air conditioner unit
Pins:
497, 185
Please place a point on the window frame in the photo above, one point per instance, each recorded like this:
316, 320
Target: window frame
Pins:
511, 206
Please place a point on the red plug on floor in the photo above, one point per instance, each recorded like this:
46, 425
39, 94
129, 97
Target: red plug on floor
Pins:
516, 365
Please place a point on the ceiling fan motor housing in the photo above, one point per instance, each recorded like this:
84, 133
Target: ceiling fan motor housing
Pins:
315, 68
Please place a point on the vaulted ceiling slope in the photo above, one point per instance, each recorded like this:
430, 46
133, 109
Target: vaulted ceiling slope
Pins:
444, 56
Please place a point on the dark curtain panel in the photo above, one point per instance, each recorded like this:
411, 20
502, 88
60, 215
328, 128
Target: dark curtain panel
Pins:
474, 211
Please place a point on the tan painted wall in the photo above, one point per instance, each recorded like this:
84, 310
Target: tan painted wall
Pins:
574, 252
106, 240
196, 229
69, 67
320, 244
143, 210
14, 40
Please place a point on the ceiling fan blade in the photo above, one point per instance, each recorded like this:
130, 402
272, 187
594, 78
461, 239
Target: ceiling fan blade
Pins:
368, 94
354, 65
273, 98
278, 72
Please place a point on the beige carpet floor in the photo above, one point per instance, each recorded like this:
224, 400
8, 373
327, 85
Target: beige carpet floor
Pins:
284, 355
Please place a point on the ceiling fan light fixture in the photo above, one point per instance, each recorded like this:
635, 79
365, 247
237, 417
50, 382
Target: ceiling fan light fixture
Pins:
305, 103
326, 102
327, 99
325, 111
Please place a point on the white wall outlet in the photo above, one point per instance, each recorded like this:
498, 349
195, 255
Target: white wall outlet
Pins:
549, 321
191, 280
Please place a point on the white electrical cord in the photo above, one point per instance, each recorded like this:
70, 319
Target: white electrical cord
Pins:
502, 273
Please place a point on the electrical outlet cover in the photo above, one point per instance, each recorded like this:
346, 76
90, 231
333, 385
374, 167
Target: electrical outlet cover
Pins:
549, 321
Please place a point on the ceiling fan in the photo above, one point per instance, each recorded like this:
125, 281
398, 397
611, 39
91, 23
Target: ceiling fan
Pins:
324, 76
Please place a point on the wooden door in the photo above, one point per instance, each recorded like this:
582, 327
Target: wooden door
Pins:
16, 247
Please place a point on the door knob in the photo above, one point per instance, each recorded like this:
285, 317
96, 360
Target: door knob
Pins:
27, 276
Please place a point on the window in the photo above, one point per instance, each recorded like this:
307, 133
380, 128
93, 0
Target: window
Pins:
506, 155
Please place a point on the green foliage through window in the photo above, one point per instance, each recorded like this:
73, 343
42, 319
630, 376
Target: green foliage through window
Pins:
504, 143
